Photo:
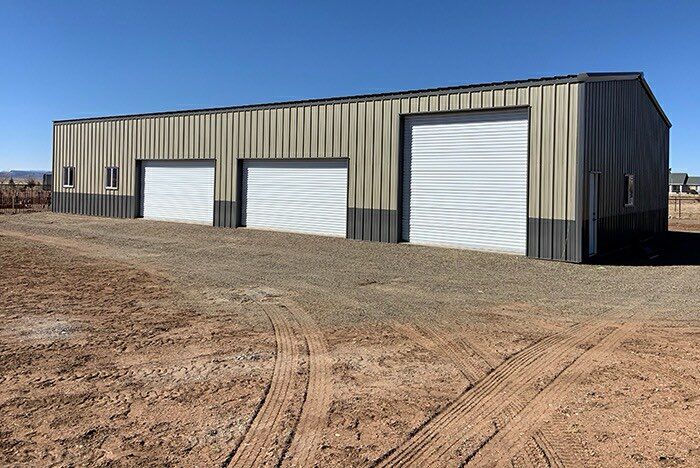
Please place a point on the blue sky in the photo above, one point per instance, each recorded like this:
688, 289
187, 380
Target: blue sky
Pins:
78, 59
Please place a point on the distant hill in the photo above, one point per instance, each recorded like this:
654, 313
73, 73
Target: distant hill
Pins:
22, 176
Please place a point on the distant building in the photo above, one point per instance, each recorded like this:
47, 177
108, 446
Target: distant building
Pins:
678, 182
47, 181
693, 184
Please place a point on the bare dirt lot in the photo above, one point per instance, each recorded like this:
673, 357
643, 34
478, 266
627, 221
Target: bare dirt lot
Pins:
132, 342
684, 212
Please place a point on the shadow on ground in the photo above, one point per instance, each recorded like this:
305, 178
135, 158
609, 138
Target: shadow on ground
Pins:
675, 248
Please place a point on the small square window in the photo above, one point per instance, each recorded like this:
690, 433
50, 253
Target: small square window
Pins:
69, 176
629, 190
111, 178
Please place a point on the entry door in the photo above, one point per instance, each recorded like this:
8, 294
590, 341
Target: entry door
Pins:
594, 177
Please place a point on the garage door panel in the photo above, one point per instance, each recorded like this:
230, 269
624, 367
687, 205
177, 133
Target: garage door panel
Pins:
465, 180
297, 196
181, 191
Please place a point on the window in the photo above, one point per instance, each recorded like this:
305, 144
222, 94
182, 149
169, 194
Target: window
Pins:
111, 178
69, 176
629, 190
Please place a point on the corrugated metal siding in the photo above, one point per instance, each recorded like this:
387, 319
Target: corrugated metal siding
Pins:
552, 193
625, 134
367, 132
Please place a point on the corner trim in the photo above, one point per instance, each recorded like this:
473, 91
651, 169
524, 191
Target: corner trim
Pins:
580, 173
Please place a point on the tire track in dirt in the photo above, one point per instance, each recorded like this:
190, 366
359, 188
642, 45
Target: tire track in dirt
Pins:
550, 453
536, 453
76, 246
83, 247
444, 416
292, 327
491, 359
530, 457
526, 424
474, 416
262, 435
312, 421
460, 351
567, 447
436, 342
557, 447
297, 336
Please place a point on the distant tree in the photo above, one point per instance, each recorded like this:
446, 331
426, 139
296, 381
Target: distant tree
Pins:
31, 183
12, 191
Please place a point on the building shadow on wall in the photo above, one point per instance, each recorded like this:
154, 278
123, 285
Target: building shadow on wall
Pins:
674, 248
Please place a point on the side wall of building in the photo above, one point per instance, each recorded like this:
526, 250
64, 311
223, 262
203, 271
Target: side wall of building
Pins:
624, 133
366, 131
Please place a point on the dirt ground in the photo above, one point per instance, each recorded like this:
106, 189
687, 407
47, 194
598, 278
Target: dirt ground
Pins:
684, 212
132, 342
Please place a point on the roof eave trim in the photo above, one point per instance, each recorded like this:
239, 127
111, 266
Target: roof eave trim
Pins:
580, 78
341, 99
647, 88
623, 76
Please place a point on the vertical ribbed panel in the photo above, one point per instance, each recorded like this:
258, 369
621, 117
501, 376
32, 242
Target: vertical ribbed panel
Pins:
366, 132
465, 180
624, 134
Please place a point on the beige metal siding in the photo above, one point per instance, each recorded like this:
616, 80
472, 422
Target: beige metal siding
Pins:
625, 134
552, 196
366, 131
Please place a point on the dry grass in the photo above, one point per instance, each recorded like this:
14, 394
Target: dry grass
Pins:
684, 212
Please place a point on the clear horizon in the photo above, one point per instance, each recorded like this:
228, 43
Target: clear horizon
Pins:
80, 59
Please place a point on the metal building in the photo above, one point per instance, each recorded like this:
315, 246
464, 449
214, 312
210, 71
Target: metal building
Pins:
559, 168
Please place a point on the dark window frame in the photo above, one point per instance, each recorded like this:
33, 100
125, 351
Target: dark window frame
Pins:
112, 178
68, 176
629, 188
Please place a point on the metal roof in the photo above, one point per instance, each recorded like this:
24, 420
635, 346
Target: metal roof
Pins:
693, 180
577, 78
677, 178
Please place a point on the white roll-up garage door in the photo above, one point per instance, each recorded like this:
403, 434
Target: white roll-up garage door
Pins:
180, 191
465, 180
297, 196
